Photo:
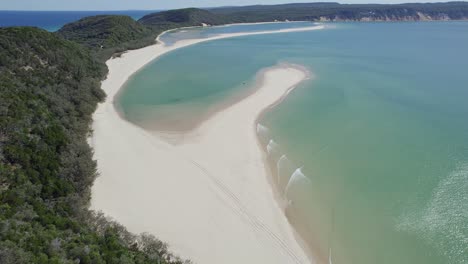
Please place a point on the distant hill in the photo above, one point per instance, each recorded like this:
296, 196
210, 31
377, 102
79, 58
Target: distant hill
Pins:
345, 12
182, 18
108, 33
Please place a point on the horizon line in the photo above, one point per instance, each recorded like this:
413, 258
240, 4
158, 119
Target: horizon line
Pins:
227, 6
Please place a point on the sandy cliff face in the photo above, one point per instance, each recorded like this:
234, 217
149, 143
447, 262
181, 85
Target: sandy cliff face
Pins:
419, 16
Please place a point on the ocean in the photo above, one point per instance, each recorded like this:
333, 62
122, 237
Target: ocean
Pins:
54, 20
372, 152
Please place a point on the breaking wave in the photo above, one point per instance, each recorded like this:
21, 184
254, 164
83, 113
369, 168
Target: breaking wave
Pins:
290, 179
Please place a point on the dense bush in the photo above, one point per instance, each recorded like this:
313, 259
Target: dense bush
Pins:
103, 31
49, 88
108, 34
182, 18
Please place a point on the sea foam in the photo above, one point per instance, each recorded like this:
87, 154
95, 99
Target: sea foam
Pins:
444, 221
297, 186
285, 169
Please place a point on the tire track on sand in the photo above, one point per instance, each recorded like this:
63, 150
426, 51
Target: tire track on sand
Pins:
242, 211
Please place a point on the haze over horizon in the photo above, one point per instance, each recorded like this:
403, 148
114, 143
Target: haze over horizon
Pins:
109, 5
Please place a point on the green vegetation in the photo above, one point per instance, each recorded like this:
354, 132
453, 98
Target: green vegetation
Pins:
182, 18
49, 88
108, 34
345, 12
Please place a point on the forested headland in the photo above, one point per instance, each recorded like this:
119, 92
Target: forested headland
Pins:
49, 88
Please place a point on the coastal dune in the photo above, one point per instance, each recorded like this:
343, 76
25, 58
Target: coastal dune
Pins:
208, 196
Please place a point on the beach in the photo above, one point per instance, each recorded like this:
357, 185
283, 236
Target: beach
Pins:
208, 196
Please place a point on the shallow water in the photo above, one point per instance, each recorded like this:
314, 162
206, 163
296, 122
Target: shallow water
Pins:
380, 134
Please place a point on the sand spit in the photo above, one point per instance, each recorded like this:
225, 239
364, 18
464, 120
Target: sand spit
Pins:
208, 196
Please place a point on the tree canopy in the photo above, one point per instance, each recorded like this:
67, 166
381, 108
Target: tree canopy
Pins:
49, 88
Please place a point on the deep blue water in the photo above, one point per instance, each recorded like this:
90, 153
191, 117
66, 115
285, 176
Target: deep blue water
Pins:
54, 20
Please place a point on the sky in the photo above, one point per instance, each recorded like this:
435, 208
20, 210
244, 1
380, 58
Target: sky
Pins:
154, 4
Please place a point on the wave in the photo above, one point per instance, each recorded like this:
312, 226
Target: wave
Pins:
285, 169
263, 134
297, 186
292, 182
273, 150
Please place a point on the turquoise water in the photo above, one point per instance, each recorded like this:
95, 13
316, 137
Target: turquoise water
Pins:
381, 133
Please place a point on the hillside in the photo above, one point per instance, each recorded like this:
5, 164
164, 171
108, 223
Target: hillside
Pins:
181, 18
346, 12
49, 88
108, 34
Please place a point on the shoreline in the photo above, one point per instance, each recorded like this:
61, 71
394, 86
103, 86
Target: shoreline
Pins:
126, 162
274, 184
314, 23
232, 98
280, 198
174, 127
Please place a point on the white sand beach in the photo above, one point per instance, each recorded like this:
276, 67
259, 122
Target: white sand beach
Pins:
208, 196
